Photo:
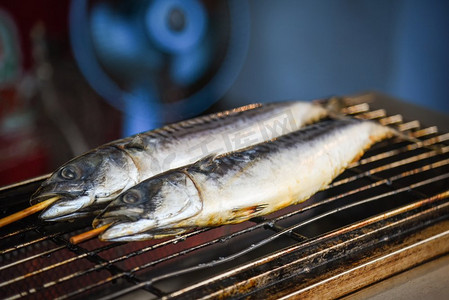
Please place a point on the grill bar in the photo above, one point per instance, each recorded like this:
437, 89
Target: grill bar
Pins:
59, 264
412, 172
25, 260
18, 232
409, 125
26, 244
395, 164
408, 148
90, 255
391, 120
425, 131
356, 109
375, 114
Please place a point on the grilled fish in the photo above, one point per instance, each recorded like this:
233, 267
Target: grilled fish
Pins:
89, 181
234, 187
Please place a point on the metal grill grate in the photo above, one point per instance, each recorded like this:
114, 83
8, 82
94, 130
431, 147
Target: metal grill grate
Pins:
385, 207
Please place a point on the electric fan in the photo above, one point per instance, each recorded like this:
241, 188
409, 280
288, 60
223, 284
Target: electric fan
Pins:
159, 60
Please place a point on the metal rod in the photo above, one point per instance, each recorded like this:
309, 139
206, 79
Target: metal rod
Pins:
425, 131
356, 109
374, 114
392, 165
30, 258
28, 181
409, 125
117, 276
110, 262
20, 231
391, 120
43, 238
276, 228
58, 264
97, 284
408, 148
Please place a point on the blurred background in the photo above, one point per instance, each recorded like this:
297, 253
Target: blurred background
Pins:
77, 74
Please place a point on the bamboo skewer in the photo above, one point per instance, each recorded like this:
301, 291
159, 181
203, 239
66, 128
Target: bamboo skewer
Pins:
27, 211
88, 234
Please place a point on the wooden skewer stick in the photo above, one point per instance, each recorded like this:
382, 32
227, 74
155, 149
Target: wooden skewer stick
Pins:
27, 211
88, 234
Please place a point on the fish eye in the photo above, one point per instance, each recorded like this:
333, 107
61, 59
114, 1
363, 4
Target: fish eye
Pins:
131, 197
69, 173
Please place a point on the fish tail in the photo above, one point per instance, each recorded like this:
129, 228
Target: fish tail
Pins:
245, 213
333, 105
409, 138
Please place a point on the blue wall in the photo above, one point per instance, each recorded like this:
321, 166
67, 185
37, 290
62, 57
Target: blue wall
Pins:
312, 49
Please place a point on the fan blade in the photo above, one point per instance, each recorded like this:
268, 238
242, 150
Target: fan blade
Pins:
188, 67
121, 44
142, 111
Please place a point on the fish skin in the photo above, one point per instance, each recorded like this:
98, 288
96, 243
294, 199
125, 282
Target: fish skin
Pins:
123, 163
247, 183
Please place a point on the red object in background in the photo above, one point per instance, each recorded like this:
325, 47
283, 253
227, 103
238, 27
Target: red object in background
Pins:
22, 154
15, 158
27, 13
31, 140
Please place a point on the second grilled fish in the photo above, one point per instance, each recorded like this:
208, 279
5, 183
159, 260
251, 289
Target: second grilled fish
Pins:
235, 187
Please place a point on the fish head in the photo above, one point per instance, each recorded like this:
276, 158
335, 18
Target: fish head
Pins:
154, 204
94, 177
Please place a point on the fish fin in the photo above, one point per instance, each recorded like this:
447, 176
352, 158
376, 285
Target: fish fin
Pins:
136, 143
248, 212
163, 233
148, 235
206, 163
333, 105
210, 158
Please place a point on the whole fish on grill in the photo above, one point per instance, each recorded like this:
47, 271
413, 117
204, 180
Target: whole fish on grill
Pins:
89, 181
234, 187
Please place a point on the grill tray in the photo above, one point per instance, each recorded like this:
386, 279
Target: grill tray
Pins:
386, 213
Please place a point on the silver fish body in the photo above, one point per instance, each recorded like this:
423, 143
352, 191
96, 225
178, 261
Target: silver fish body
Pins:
97, 177
235, 187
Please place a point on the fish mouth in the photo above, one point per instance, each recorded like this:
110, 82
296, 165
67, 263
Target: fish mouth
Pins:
129, 232
38, 197
118, 230
47, 191
105, 220
87, 212
127, 228
144, 236
116, 215
66, 207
